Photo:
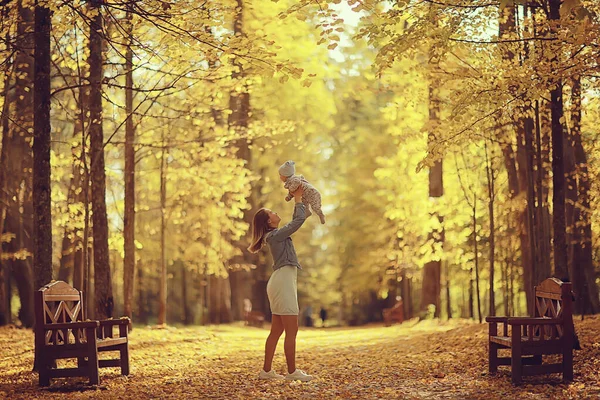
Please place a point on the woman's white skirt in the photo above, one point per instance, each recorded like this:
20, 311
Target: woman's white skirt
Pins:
282, 290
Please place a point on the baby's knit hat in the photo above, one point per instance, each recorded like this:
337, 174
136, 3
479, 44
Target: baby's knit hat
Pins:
288, 168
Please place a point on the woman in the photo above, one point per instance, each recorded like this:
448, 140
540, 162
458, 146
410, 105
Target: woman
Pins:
282, 287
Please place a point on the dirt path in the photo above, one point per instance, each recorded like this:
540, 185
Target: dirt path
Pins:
426, 361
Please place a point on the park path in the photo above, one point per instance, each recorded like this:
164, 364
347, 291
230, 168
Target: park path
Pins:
428, 360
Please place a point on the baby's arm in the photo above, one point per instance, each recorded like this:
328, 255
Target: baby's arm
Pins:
292, 185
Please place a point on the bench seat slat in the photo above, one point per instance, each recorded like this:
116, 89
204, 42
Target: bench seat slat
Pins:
111, 342
525, 341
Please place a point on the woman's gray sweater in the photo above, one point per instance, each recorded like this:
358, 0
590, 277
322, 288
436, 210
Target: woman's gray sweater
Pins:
280, 242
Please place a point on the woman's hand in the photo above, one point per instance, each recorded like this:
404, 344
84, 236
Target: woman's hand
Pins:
298, 194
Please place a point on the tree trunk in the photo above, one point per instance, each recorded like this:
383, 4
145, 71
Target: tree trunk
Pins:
543, 269
17, 164
572, 211
491, 194
583, 271
517, 178
219, 311
476, 249
532, 222
184, 296
102, 277
471, 299
5, 313
558, 168
129, 217
448, 299
406, 295
238, 120
71, 261
430, 293
504, 269
162, 292
42, 227
141, 298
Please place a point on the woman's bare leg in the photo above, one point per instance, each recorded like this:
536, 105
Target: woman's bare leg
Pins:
290, 325
272, 339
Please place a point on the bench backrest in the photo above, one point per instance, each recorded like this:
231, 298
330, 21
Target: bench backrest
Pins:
554, 299
57, 302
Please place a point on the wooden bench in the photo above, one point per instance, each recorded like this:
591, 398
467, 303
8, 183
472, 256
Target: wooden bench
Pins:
61, 332
254, 318
550, 331
394, 313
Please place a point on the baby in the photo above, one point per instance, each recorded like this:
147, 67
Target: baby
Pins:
310, 196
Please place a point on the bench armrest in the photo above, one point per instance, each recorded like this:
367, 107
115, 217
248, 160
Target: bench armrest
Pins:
112, 322
496, 319
72, 325
534, 321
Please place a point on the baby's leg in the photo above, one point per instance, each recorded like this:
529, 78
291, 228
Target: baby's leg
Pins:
306, 204
314, 198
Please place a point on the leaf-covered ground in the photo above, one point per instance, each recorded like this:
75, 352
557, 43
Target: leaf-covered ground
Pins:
428, 360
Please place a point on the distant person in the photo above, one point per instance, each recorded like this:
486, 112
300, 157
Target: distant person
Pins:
308, 316
247, 308
323, 315
282, 289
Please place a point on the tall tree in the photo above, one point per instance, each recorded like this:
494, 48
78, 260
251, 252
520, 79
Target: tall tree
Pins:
42, 227
558, 167
491, 182
72, 260
432, 271
129, 217
5, 313
18, 158
104, 303
162, 290
238, 121
581, 263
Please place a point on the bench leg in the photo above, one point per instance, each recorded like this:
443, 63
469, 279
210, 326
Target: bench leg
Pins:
124, 351
493, 358
516, 364
44, 372
92, 363
125, 359
567, 364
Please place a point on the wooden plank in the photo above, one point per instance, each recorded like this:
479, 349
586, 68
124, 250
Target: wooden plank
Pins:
502, 340
68, 351
503, 360
548, 295
102, 343
530, 370
541, 351
58, 288
550, 344
550, 285
68, 372
109, 363
61, 297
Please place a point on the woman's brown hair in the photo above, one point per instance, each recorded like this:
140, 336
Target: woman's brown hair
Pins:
260, 227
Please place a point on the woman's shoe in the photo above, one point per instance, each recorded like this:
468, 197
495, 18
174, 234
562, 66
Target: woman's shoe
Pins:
269, 375
298, 375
